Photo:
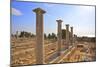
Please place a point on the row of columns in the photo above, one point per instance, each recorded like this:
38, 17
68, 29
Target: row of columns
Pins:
40, 37
69, 35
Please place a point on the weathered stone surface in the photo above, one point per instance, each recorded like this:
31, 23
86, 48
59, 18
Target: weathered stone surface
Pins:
59, 36
67, 34
39, 35
71, 35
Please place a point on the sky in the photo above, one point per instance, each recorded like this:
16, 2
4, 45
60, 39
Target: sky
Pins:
82, 18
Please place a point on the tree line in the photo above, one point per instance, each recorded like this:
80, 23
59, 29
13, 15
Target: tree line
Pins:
22, 34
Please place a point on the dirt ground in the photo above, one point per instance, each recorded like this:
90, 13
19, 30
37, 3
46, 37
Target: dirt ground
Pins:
23, 52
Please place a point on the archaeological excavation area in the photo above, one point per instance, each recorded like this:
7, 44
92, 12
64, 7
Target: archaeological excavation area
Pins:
63, 47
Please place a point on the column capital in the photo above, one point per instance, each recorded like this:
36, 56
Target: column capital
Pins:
71, 28
59, 20
39, 36
67, 25
39, 11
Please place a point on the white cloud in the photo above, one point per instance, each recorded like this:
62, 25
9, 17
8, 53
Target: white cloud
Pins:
16, 12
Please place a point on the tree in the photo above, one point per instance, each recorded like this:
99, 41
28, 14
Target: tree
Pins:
45, 36
49, 36
32, 35
26, 34
53, 36
21, 34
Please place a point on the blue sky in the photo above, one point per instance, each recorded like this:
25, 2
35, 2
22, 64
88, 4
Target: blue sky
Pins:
82, 18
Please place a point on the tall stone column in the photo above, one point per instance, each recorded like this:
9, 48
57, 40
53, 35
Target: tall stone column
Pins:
59, 37
39, 35
67, 34
71, 35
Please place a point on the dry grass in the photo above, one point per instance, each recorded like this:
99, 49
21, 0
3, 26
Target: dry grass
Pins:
23, 53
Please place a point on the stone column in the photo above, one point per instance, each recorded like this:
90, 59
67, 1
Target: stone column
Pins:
59, 37
39, 35
67, 34
71, 35
75, 38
